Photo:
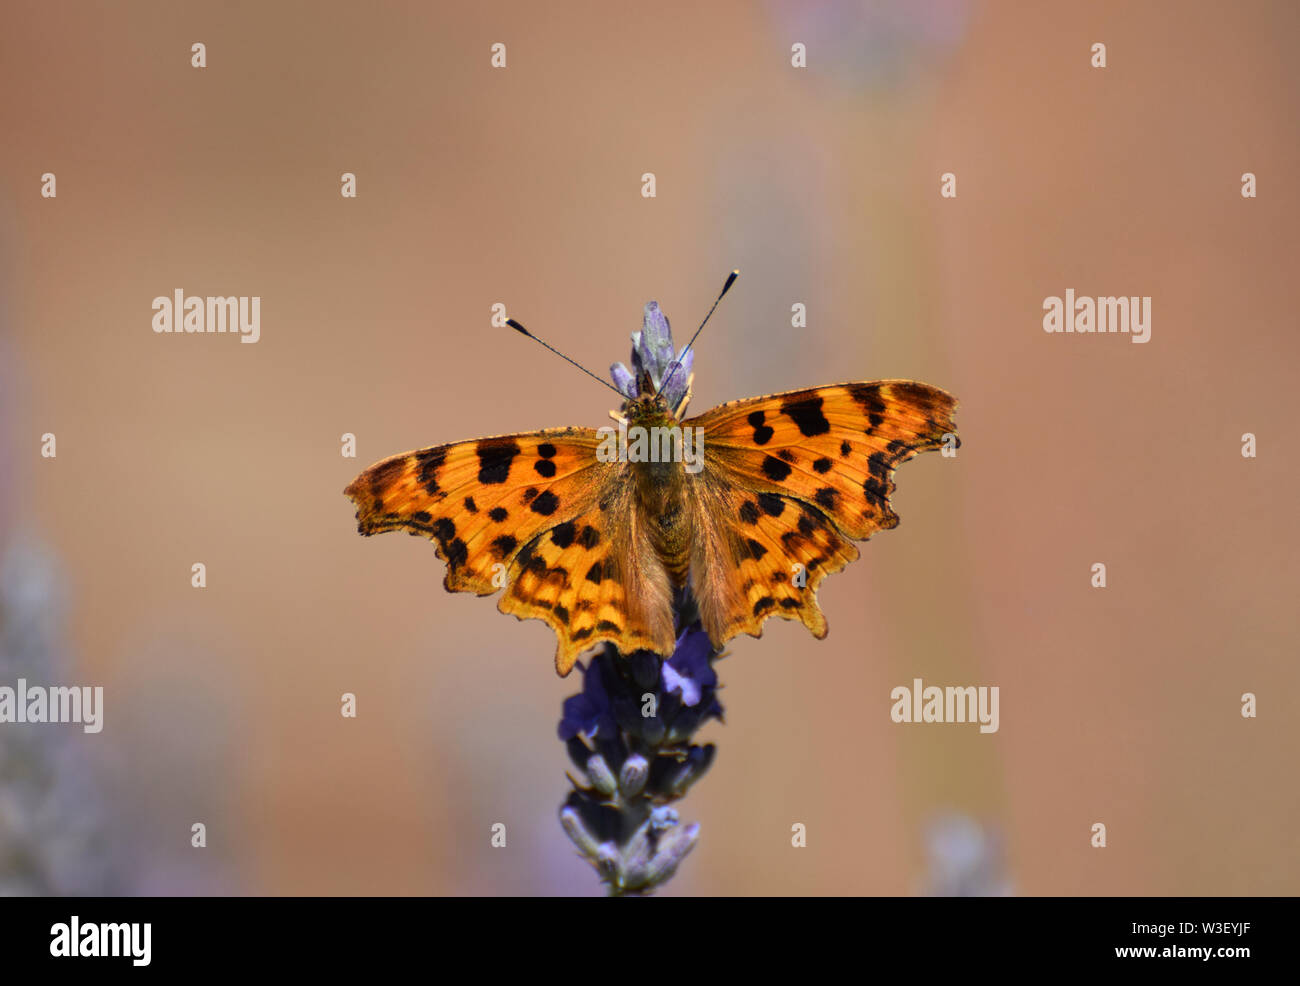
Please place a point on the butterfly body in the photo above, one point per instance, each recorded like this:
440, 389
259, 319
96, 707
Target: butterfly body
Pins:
661, 486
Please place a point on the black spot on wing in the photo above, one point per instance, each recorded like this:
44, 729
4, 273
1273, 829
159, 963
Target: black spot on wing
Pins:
762, 433
457, 552
429, 462
868, 396
563, 535
546, 450
845, 449
422, 517
756, 550
545, 503
470, 505
871, 401
502, 546
772, 504
807, 414
876, 484
494, 458
822, 465
498, 514
749, 512
544, 468
775, 469
879, 466
826, 497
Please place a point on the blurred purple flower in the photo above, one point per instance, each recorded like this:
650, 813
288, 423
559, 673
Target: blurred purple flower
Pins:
876, 44
964, 859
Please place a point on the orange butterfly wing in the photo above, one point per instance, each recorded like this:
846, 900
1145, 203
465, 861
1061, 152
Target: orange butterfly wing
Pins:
790, 481
537, 514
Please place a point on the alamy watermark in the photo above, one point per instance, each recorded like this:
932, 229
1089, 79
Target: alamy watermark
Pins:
1131, 315
130, 940
55, 704
930, 703
193, 314
657, 444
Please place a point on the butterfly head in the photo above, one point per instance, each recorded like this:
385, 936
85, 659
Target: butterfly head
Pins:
658, 378
648, 411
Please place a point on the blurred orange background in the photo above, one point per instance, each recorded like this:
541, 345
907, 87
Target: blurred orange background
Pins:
523, 186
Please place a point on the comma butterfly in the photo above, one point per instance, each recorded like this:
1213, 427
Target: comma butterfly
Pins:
593, 532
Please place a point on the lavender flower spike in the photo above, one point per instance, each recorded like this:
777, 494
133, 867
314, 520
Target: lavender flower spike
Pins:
630, 733
652, 356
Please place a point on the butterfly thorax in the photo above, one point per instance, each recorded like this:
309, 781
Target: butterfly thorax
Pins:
660, 478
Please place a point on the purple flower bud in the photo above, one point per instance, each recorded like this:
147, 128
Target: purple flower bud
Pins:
633, 775
656, 343
623, 380
678, 377
687, 361
602, 778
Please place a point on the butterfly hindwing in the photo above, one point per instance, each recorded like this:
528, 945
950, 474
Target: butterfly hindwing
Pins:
791, 480
767, 561
592, 579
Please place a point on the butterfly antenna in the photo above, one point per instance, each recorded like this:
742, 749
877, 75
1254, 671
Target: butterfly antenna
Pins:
731, 279
522, 331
